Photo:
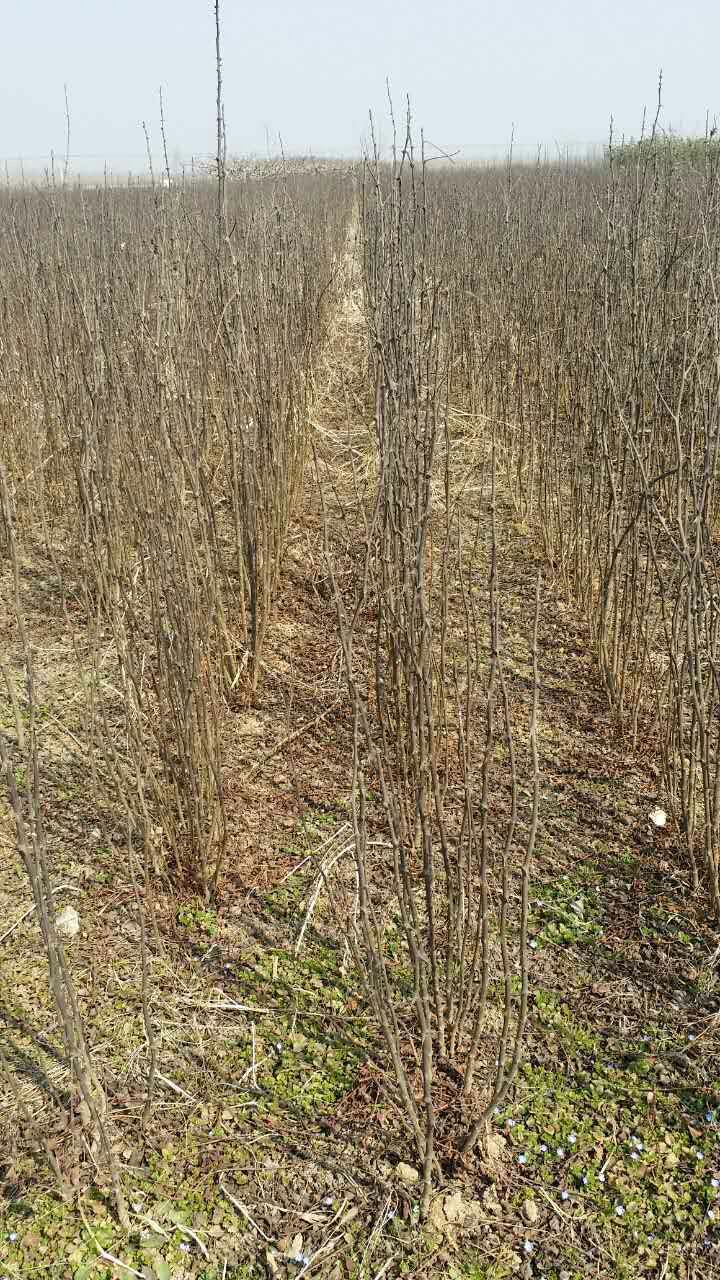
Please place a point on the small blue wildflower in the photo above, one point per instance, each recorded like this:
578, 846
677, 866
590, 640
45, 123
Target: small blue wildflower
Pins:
185, 1247
585, 1179
543, 1147
715, 1182
710, 1116
634, 1155
620, 1210
529, 1247
572, 1138
561, 1152
564, 1195
601, 1177
522, 1159
699, 1155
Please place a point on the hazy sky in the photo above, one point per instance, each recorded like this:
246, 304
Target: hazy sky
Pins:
309, 70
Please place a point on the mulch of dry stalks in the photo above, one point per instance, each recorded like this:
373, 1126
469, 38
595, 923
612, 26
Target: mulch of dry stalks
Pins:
309, 1183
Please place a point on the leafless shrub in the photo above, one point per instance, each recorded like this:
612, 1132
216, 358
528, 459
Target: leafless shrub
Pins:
165, 379
27, 812
442, 876
588, 338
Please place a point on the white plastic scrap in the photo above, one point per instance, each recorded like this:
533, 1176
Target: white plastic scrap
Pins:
67, 922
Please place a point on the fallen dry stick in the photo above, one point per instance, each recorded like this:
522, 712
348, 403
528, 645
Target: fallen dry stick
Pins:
241, 1209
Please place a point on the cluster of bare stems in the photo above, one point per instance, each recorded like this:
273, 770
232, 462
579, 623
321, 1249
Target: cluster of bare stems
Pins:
431, 713
586, 328
157, 359
155, 408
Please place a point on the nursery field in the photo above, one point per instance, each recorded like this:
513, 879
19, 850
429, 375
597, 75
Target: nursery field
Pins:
360, 722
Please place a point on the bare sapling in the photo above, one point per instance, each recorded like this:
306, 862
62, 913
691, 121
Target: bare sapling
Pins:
455, 893
27, 812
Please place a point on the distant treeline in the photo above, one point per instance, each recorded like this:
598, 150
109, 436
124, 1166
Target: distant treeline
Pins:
688, 150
